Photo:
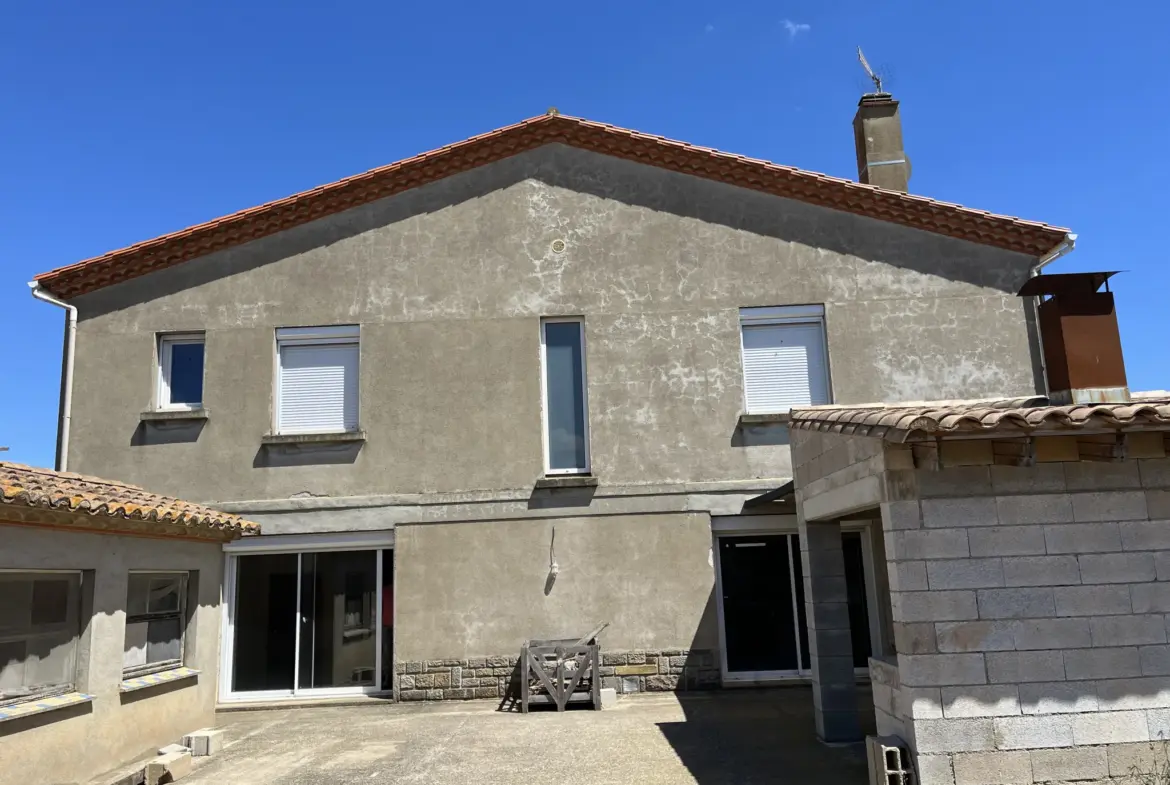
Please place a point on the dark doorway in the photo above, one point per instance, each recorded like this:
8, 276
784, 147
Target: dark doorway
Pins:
855, 590
759, 613
265, 623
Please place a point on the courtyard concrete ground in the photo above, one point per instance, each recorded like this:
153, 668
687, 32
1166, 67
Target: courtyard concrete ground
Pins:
730, 736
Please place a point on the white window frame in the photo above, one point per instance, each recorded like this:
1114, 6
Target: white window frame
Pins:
312, 336
82, 622
166, 343
782, 315
184, 588
548, 470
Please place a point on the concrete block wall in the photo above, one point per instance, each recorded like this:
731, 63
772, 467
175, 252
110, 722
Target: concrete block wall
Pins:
1031, 609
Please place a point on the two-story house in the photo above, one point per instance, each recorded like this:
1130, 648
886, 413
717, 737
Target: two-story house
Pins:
529, 382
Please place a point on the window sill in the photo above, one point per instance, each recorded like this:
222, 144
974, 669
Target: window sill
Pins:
314, 438
765, 419
174, 415
29, 708
159, 677
567, 481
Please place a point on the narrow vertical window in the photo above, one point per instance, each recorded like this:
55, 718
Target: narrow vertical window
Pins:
566, 422
180, 371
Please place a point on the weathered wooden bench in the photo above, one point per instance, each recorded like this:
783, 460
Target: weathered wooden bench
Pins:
560, 672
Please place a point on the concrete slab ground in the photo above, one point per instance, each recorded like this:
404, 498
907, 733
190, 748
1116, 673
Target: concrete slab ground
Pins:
732, 736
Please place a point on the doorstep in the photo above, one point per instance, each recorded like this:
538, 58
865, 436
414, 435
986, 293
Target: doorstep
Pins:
376, 699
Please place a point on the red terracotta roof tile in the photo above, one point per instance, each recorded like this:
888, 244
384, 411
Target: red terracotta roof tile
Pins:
28, 487
903, 421
919, 212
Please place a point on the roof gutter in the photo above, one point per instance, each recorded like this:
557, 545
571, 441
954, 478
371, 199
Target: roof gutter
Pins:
1065, 246
65, 414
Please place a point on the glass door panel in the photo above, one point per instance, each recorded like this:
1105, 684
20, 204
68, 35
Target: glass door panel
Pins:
264, 643
339, 624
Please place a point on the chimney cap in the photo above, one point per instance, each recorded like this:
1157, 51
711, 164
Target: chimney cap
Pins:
876, 98
1065, 283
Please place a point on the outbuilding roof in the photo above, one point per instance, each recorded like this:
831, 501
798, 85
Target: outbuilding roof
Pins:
919, 212
901, 422
105, 505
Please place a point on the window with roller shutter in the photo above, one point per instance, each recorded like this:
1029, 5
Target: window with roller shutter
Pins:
785, 362
317, 380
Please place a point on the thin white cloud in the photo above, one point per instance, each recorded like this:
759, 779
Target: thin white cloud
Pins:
795, 28
709, 29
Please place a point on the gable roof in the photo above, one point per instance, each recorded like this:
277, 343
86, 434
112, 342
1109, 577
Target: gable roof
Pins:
93, 503
919, 212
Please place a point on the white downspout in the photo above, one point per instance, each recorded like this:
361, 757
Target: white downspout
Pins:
67, 381
1060, 249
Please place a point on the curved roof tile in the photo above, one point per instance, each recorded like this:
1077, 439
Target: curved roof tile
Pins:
26, 486
901, 421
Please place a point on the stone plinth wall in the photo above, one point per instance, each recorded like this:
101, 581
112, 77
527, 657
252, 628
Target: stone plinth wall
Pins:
498, 677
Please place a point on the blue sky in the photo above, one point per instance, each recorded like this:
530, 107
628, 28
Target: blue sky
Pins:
123, 121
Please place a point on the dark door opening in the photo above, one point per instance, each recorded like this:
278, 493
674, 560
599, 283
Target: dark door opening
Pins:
764, 625
759, 617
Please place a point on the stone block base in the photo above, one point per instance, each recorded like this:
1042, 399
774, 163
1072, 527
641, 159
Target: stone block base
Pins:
628, 672
1104, 764
168, 768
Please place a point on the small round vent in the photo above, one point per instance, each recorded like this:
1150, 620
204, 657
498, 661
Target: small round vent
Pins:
558, 246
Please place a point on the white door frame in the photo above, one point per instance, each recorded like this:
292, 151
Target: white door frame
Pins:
747, 525
299, 545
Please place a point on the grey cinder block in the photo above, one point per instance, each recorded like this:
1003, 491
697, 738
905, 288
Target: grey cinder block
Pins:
1082, 538
1117, 567
168, 768
1092, 600
1016, 603
1021, 571
204, 742
1032, 509
1019, 667
1128, 630
1109, 506
966, 573
937, 670
1006, 541
993, 768
1033, 732
1062, 697
1111, 727
1111, 663
959, 513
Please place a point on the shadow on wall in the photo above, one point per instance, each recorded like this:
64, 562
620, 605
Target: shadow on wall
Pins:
179, 432
608, 178
270, 456
748, 435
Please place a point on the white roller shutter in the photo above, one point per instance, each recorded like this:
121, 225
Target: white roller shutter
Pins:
784, 366
318, 388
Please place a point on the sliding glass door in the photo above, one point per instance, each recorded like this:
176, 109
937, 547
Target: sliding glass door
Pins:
310, 623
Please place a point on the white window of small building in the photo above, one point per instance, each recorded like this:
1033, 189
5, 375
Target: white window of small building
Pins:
566, 413
40, 623
317, 379
180, 371
155, 619
785, 359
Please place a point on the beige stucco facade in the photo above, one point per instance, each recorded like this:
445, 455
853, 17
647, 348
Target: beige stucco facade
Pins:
448, 283
76, 743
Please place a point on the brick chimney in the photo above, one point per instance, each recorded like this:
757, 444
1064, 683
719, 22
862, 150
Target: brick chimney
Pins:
1082, 343
877, 133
